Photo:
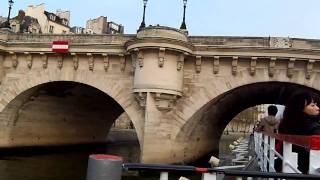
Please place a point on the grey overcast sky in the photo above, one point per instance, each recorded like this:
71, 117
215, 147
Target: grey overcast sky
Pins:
284, 18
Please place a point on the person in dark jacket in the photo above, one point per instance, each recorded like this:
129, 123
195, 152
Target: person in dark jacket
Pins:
301, 117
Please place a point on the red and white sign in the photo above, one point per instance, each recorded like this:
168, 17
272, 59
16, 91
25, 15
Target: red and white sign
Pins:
60, 46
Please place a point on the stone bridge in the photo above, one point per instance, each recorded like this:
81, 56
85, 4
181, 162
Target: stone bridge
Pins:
179, 91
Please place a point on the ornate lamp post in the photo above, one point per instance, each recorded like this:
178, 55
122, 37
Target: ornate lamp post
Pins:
8, 19
183, 25
143, 24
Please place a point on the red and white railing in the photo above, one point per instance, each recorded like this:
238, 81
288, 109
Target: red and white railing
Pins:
265, 150
109, 167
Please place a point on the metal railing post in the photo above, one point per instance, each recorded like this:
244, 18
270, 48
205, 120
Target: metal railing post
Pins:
104, 167
289, 158
271, 154
265, 152
260, 149
209, 176
314, 162
255, 137
164, 176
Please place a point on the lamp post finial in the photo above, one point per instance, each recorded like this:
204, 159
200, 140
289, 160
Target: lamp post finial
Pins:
183, 25
143, 24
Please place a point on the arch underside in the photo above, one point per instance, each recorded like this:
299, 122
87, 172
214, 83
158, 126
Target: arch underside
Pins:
58, 107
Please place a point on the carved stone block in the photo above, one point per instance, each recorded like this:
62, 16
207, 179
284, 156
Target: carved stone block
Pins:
216, 64
280, 42
272, 65
234, 65
60, 62
29, 59
290, 67
105, 61
141, 98
44, 59
90, 61
198, 64
140, 59
253, 65
180, 61
165, 102
161, 57
75, 59
14, 59
122, 62
309, 68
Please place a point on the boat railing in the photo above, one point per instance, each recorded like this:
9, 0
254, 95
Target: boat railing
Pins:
214, 173
266, 152
109, 167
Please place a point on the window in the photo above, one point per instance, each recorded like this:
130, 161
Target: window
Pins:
65, 22
13, 28
52, 17
51, 28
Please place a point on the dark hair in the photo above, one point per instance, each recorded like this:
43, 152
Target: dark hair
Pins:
293, 114
272, 110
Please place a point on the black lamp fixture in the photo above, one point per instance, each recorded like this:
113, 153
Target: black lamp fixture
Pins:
183, 25
8, 19
143, 24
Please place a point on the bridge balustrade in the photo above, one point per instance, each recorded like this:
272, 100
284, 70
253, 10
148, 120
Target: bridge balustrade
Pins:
266, 152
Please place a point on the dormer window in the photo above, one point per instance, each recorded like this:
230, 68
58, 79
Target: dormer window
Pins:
65, 22
52, 17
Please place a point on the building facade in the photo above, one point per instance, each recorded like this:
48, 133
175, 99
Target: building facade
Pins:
244, 121
77, 30
24, 24
96, 26
101, 25
50, 23
2, 19
114, 28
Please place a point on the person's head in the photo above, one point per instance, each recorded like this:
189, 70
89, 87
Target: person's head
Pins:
302, 103
311, 109
272, 110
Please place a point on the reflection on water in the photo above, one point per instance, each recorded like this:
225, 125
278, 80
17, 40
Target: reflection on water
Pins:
70, 162
58, 163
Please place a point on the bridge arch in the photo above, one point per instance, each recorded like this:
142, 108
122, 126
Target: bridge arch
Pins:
210, 88
209, 122
119, 91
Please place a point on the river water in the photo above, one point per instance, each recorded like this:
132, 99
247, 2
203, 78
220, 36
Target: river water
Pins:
70, 162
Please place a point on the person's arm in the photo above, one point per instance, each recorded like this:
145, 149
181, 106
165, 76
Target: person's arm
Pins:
277, 126
260, 126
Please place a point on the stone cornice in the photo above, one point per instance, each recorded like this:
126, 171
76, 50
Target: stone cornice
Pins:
258, 52
74, 38
159, 42
204, 46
